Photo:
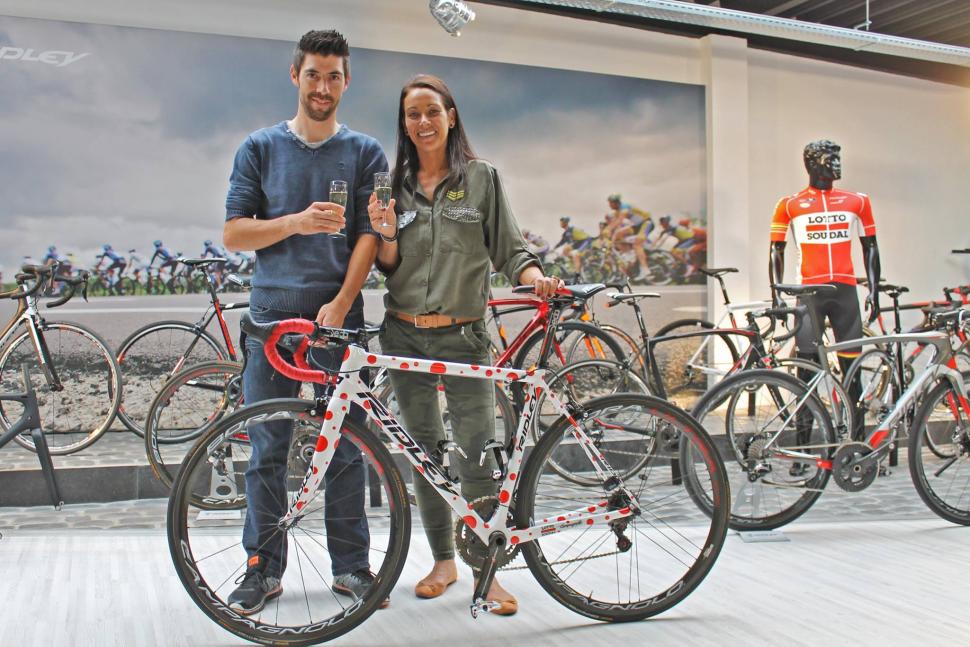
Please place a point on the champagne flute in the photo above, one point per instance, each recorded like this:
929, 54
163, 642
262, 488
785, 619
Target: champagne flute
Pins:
382, 187
338, 195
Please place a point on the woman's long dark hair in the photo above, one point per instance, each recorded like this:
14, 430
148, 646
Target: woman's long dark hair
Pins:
459, 152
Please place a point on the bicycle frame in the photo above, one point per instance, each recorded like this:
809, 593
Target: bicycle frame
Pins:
28, 315
350, 389
884, 433
215, 310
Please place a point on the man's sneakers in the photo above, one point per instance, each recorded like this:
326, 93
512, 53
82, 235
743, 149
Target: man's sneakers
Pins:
254, 589
355, 584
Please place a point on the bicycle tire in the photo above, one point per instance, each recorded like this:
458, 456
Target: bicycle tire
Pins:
585, 380
289, 625
87, 370
220, 389
953, 464
746, 453
684, 383
878, 382
674, 518
150, 356
630, 346
601, 345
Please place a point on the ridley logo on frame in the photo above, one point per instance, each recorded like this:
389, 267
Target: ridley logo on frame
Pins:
57, 58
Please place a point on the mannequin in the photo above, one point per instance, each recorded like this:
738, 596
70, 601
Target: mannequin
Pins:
821, 219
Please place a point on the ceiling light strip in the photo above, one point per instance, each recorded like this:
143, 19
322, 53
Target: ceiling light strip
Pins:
764, 25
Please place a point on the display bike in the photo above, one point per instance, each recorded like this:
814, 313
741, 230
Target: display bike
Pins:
73, 372
781, 447
624, 549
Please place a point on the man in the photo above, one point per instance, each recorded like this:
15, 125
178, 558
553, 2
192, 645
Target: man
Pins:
278, 205
629, 221
822, 219
115, 267
691, 246
573, 242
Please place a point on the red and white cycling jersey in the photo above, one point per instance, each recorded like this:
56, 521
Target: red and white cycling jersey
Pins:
821, 223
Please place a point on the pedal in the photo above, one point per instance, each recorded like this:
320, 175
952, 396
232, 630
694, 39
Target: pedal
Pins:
480, 605
884, 470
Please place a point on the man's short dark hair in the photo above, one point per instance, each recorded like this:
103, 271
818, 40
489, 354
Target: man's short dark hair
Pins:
323, 43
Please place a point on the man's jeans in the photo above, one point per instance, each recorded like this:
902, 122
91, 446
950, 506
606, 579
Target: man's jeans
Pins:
348, 538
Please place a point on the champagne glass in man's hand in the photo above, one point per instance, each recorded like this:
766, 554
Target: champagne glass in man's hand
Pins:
338, 195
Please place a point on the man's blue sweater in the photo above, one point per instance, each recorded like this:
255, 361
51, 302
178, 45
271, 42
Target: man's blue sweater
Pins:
275, 173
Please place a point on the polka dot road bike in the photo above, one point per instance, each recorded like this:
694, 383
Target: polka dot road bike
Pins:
629, 547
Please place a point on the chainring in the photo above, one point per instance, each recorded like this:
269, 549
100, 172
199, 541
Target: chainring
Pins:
470, 548
850, 468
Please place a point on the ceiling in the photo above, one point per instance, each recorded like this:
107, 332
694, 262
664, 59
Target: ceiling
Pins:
941, 21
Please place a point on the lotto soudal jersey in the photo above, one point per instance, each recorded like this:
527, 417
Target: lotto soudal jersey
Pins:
822, 223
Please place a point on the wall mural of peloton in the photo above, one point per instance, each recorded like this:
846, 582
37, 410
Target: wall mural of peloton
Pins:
129, 140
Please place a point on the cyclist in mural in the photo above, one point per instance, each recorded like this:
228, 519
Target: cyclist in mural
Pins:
691, 246
169, 259
115, 266
628, 226
574, 242
313, 256
537, 244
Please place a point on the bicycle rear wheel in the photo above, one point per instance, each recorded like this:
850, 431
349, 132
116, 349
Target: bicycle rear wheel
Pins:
939, 453
753, 417
208, 555
150, 356
188, 404
77, 415
688, 365
584, 381
634, 567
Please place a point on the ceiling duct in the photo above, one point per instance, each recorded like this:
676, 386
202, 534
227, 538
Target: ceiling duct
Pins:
770, 26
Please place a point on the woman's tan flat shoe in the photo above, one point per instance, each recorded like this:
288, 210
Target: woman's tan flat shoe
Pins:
427, 590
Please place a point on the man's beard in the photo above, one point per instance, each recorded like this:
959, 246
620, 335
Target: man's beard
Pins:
318, 115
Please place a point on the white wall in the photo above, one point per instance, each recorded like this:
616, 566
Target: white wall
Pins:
905, 141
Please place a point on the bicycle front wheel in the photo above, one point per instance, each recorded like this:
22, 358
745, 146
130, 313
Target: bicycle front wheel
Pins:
205, 541
756, 419
189, 404
150, 356
939, 453
77, 413
637, 566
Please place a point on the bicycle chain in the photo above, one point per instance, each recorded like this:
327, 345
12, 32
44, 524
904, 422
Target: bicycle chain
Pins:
564, 561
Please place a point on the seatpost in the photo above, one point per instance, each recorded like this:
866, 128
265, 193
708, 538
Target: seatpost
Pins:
897, 328
808, 300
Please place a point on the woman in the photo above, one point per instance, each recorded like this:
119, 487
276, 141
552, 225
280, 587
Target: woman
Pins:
447, 226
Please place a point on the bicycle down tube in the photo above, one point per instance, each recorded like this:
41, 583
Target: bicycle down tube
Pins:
351, 389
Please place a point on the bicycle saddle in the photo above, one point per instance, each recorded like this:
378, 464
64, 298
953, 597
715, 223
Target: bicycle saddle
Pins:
199, 262
582, 291
803, 290
717, 271
892, 290
241, 281
620, 297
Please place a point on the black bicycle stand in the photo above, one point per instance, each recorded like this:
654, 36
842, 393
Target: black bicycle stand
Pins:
30, 420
